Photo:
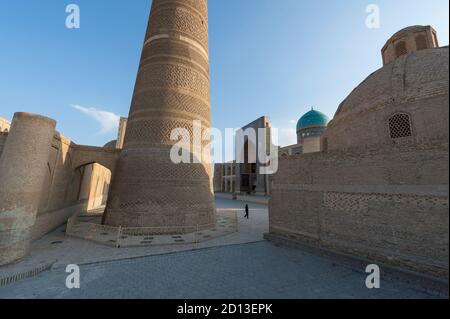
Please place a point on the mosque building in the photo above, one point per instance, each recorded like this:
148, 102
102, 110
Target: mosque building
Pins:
310, 128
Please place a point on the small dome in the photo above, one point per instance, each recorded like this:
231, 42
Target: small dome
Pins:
110, 145
416, 84
410, 30
312, 119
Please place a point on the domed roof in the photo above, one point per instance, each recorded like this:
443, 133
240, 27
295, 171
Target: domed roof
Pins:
312, 119
419, 74
405, 85
410, 29
110, 145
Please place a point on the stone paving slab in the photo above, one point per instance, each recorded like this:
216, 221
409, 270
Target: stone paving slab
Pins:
249, 271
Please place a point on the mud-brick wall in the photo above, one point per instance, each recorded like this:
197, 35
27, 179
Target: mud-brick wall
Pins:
389, 203
3, 137
59, 195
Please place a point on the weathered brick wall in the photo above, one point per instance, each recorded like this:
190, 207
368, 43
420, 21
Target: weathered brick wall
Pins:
388, 202
60, 196
55, 193
51, 220
3, 137
57, 202
22, 173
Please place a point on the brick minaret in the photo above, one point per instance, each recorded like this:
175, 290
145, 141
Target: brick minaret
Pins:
171, 91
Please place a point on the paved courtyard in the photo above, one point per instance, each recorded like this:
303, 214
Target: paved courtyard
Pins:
239, 265
60, 250
256, 270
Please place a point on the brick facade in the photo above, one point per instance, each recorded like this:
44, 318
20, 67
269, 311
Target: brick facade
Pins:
372, 192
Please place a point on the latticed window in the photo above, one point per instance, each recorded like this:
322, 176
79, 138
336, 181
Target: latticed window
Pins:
400, 126
421, 42
400, 49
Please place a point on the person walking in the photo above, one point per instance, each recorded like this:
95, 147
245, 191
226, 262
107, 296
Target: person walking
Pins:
246, 212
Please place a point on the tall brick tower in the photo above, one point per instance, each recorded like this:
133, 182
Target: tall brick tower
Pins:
172, 91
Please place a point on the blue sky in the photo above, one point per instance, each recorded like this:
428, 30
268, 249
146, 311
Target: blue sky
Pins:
268, 57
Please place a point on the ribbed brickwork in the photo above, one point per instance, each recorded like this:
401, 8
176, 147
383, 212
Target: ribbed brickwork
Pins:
172, 90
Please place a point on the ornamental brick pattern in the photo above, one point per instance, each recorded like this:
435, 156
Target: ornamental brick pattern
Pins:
172, 90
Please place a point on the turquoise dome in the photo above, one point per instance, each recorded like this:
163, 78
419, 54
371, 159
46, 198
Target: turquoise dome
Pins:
311, 119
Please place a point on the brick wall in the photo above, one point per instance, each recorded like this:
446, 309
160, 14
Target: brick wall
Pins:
59, 200
388, 202
3, 137
51, 220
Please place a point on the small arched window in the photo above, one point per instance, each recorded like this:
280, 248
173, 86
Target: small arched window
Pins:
400, 49
400, 126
